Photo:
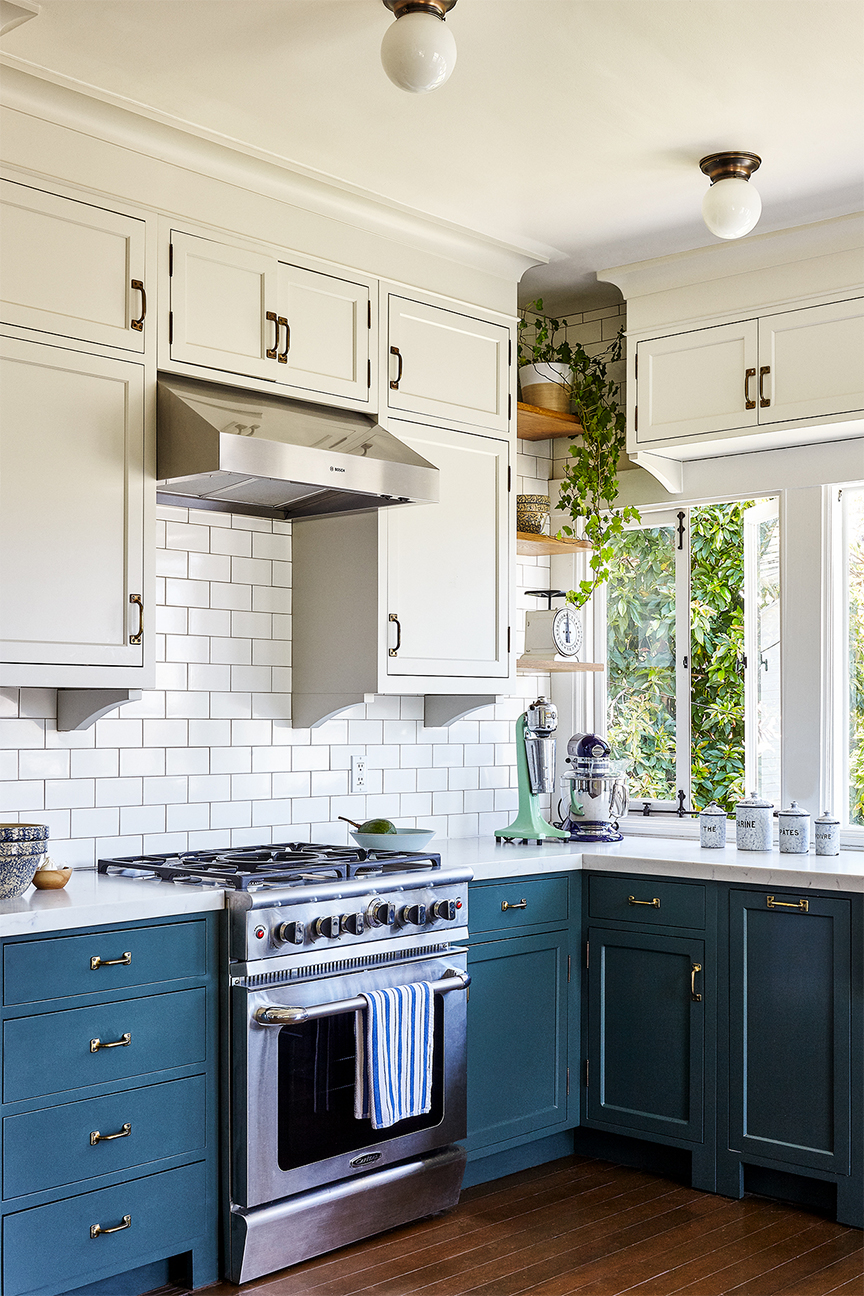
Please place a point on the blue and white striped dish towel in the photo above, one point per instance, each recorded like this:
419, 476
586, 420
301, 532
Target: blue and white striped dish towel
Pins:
394, 1042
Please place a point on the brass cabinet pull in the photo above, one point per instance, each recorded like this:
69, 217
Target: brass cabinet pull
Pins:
137, 600
800, 906
138, 324
96, 1229
395, 384
505, 905
694, 968
97, 1044
763, 399
394, 618
749, 403
652, 904
282, 357
123, 961
96, 1137
272, 352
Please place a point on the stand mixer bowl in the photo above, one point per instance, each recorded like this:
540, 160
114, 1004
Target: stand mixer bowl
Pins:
594, 790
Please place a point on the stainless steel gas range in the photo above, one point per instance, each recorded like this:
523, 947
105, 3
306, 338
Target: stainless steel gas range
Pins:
310, 929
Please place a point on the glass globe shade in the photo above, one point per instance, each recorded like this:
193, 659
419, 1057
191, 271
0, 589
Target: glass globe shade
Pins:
731, 207
418, 52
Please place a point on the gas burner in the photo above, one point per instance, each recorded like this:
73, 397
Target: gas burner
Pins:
285, 864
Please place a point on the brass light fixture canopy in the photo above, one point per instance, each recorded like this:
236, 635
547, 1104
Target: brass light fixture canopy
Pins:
724, 166
437, 8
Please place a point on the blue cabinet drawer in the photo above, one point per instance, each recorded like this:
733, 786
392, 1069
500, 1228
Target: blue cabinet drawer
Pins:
55, 1052
524, 902
63, 1145
53, 1247
647, 900
56, 967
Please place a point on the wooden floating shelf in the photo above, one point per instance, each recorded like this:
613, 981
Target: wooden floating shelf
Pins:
540, 665
528, 543
536, 424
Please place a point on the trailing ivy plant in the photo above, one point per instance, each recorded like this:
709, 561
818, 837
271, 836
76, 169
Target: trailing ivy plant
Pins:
590, 484
539, 341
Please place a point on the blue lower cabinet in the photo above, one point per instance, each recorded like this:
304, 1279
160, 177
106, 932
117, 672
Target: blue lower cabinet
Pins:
110, 1110
794, 1075
66, 1244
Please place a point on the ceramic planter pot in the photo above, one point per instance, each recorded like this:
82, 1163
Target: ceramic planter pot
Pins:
546, 385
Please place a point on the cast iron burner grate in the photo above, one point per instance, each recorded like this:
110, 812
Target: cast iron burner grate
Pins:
245, 868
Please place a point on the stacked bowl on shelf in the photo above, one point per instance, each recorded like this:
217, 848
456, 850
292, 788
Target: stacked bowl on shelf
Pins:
22, 851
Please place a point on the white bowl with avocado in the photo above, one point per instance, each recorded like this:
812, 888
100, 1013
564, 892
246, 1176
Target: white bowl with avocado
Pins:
386, 836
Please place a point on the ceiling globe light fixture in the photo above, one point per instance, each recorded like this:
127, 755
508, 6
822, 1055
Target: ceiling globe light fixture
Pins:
732, 206
418, 50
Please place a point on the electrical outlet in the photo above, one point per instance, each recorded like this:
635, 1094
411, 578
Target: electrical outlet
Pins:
358, 773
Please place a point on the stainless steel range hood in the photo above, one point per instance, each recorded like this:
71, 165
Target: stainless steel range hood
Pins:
251, 452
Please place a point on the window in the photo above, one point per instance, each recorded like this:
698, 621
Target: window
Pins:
852, 518
693, 644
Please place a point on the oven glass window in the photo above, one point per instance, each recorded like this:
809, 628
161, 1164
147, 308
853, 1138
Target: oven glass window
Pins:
316, 1092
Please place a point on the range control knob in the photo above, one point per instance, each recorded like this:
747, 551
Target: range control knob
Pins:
445, 909
329, 927
290, 933
353, 923
381, 914
415, 914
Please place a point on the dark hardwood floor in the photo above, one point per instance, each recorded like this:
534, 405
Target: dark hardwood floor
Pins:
588, 1227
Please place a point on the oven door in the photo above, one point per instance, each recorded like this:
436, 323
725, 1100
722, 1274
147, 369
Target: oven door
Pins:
292, 1086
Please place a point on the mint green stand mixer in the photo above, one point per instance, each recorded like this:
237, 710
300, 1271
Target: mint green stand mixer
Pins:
535, 769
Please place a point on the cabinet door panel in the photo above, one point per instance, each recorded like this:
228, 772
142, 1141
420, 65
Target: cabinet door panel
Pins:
220, 296
452, 367
816, 358
646, 1033
71, 506
447, 563
517, 1037
67, 267
328, 318
790, 1020
693, 383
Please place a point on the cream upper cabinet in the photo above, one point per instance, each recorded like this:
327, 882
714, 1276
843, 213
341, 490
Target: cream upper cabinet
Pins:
251, 313
811, 362
72, 268
693, 383
447, 600
793, 368
445, 365
73, 511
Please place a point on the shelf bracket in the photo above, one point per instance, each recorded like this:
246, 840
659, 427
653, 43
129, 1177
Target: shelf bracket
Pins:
669, 472
442, 709
309, 710
81, 708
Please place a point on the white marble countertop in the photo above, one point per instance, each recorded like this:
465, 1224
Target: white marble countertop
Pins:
91, 900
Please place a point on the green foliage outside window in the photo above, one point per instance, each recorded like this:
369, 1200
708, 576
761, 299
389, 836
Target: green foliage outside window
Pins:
641, 620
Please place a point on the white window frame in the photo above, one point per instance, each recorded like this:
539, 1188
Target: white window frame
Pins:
836, 684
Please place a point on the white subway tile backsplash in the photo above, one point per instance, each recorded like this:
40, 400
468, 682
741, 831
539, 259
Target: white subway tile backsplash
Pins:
187, 760
185, 818
210, 787
119, 792
231, 814
20, 796
230, 760
232, 598
236, 543
8, 765
209, 677
251, 787
104, 822
43, 763
140, 819
22, 733
209, 567
164, 791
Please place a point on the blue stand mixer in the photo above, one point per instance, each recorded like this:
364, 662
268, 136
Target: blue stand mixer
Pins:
594, 790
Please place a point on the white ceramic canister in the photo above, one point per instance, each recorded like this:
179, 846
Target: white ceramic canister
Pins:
712, 826
794, 830
754, 824
827, 834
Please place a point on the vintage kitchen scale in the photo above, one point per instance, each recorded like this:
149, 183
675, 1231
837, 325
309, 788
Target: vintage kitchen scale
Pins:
552, 633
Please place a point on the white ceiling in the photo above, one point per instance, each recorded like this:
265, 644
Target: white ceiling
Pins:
571, 127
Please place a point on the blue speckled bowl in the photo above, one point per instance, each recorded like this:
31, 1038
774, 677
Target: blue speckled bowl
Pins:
16, 873
21, 832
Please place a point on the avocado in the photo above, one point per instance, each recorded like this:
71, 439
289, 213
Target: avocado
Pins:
378, 826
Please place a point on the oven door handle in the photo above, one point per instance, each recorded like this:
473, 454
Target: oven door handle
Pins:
453, 979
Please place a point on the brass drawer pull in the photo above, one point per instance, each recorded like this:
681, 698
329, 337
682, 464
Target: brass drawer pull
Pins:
139, 633
138, 324
749, 403
395, 620
97, 1044
282, 357
97, 962
273, 351
763, 399
652, 904
394, 382
694, 968
800, 906
96, 1229
96, 1137
505, 905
